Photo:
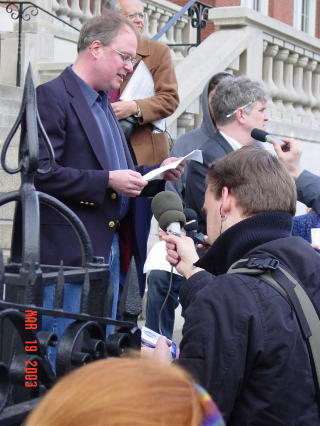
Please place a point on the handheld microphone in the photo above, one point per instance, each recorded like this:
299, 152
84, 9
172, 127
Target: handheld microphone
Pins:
262, 136
168, 210
191, 227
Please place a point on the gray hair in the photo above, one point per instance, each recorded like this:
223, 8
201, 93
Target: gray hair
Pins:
235, 93
110, 6
103, 28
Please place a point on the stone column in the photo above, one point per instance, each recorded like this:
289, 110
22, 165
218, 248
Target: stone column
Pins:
290, 96
278, 73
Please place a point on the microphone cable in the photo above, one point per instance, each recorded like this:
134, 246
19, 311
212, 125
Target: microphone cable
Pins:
165, 301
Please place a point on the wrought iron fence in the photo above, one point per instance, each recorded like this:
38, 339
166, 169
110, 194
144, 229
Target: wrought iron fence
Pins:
25, 370
25, 11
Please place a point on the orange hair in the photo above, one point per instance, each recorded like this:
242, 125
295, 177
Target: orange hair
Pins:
121, 392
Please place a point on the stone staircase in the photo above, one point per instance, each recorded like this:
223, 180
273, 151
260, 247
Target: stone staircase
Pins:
10, 100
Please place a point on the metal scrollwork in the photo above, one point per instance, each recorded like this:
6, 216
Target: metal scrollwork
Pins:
199, 17
26, 16
17, 11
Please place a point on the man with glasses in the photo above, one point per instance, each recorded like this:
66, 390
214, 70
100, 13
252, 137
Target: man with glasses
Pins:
94, 173
149, 144
238, 106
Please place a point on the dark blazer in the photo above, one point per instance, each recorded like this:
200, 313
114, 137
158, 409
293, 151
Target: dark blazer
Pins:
308, 189
80, 176
212, 149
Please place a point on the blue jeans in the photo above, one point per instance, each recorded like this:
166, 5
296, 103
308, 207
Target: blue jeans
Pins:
72, 298
158, 284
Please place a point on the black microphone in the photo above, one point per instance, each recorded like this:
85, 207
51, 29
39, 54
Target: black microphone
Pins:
191, 227
168, 210
262, 136
191, 220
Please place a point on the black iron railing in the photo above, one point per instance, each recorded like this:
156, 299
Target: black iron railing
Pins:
24, 11
25, 371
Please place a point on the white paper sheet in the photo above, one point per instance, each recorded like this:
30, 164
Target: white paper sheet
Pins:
158, 173
141, 86
157, 259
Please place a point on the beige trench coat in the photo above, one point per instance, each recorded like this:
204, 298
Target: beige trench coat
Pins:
150, 147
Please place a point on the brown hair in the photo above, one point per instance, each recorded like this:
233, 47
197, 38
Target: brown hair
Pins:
103, 28
259, 181
121, 392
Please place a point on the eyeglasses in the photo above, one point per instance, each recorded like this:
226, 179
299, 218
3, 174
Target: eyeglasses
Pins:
241, 107
124, 56
135, 15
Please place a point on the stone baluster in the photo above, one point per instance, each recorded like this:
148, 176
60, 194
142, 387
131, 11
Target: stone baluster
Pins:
154, 21
63, 10
179, 50
96, 9
55, 6
278, 77
307, 85
164, 18
86, 11
298, 84
75, 13
267, 74
148, 10
185, 123
316, 91
290, 96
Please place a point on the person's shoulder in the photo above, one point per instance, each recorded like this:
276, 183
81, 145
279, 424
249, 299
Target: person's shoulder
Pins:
54, 83
154, 45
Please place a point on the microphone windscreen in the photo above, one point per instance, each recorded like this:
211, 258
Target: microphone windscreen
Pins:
171, 216
165, 201
259, 135
190, 214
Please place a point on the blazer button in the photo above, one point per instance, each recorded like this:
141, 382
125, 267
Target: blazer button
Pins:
113, 196
112, 224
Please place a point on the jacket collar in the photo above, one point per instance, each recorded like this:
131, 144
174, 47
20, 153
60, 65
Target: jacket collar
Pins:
243, 237
89, 123
86, 118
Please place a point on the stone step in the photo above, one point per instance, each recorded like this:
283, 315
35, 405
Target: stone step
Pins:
7, 120
11, 157
5, 234
11, 92
9, 106
7, 211
9, 182
4, 132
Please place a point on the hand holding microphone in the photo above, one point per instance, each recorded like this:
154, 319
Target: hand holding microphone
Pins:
287, 150
167, 209
262, 136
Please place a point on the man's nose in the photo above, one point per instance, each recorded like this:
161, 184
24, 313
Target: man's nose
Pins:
128, 66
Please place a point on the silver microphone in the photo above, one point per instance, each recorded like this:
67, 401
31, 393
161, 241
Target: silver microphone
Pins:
262, 136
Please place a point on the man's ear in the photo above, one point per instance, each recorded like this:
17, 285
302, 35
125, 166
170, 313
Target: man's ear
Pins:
240, 116
95, 48
225, 202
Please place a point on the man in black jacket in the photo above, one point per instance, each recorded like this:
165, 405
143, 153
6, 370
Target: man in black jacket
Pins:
241, 339
238, 106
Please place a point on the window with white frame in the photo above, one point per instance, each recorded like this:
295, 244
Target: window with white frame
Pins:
258, 5
304, 17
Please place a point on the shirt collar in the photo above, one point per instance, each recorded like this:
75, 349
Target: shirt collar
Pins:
90, 94
232, 142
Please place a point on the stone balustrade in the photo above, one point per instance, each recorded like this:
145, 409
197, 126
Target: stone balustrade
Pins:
287, 60
157, 14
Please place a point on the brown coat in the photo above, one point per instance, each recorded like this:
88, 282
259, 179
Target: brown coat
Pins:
151, 148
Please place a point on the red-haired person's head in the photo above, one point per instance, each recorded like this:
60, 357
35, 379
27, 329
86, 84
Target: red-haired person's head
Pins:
123, 392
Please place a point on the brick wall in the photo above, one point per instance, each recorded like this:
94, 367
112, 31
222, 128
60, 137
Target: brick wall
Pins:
318, 19
282, 11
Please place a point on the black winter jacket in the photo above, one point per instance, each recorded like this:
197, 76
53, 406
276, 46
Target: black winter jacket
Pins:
241, 339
